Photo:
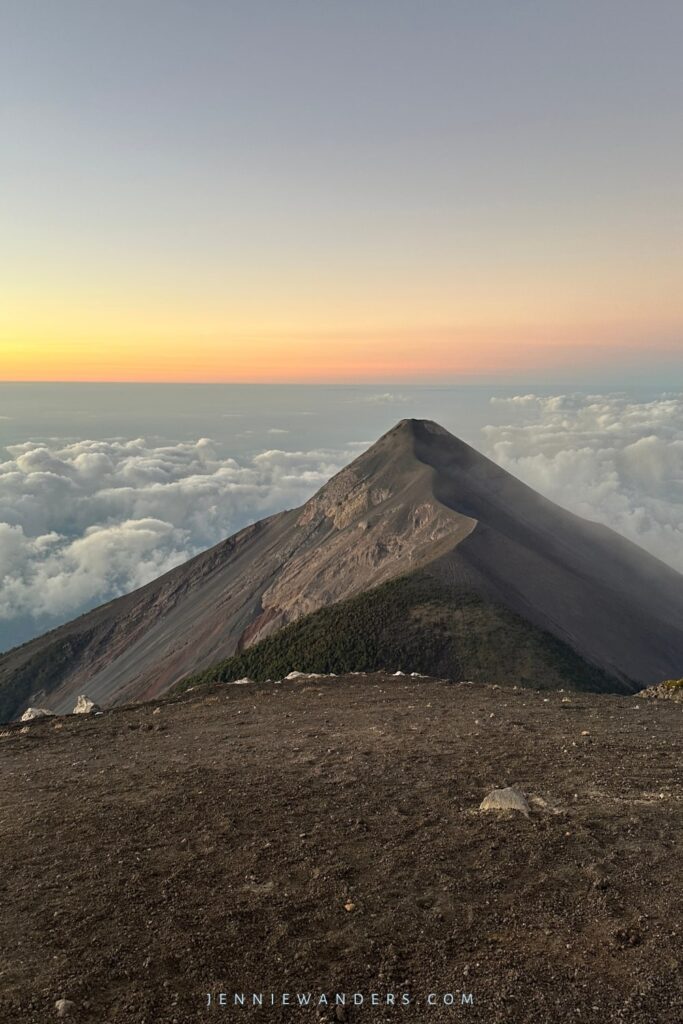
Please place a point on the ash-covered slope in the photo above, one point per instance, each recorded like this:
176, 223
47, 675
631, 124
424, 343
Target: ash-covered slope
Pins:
613, 603
419, 499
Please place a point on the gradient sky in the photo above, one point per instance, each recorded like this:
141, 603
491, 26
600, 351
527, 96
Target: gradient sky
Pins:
341, 189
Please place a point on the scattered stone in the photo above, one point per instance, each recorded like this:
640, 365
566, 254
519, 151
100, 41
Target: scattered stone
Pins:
64, 1007
304, 675
32, 713
624, 938
510, 799
349, 906
242, 682
84, 706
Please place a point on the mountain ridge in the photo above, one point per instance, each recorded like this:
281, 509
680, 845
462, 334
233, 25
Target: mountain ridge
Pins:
418, 497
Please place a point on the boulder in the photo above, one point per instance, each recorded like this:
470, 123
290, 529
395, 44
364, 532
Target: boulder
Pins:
84, 706
32, 713
510, 799
671, 689
64, 1007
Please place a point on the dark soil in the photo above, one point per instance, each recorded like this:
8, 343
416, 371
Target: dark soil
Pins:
323, 836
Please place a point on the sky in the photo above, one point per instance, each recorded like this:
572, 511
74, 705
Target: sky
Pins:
384, 191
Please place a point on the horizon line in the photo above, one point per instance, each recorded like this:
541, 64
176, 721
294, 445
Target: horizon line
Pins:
475, 380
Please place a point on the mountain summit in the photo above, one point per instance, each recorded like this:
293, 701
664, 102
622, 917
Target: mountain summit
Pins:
513, 586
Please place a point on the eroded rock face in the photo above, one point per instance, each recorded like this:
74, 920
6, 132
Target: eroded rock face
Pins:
32, 713
85, 706
345, 497
372, 536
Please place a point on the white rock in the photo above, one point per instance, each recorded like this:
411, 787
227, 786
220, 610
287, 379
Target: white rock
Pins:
32, 713
304, 675
64, 1007
510, 799
84, 705
242, 682
399, 673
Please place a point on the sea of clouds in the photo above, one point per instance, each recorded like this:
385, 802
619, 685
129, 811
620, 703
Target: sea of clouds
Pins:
84, 521
606, 457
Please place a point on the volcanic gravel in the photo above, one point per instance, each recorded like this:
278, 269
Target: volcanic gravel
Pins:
323, 837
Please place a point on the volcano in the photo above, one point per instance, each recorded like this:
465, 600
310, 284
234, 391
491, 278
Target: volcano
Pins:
421, 548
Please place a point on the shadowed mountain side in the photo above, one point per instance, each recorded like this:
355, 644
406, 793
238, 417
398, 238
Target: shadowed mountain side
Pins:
418, 497
618, 606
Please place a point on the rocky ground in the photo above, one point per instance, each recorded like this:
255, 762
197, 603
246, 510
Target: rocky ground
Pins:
324, 836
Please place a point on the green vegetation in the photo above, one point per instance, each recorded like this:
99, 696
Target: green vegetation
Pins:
674, 684
417, 624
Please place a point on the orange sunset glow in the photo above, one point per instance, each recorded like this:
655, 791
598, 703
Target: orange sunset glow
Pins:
511, 208
326, 356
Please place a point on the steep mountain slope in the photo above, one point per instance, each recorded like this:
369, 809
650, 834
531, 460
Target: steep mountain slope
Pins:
418, 498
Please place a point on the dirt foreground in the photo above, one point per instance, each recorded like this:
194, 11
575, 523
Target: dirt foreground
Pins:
321, 839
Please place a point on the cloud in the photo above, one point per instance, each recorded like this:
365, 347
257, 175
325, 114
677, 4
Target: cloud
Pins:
607, 457
85, 521
382, 398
